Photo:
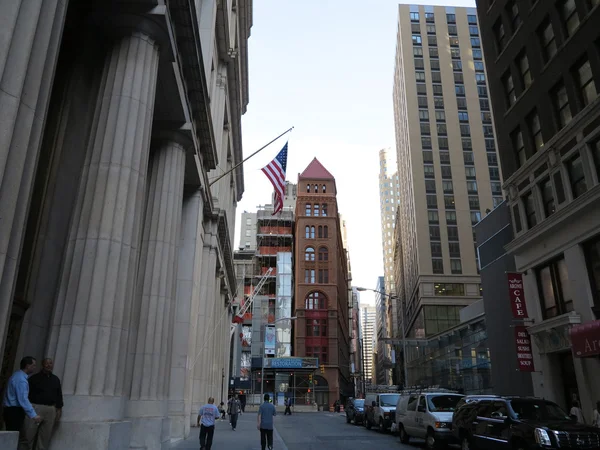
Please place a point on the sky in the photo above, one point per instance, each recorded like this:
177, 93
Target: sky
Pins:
326, 68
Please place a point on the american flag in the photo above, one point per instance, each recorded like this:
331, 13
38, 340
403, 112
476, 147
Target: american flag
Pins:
275, 172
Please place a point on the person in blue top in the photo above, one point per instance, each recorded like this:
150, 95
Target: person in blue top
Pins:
16, 398
206, 421
266, 414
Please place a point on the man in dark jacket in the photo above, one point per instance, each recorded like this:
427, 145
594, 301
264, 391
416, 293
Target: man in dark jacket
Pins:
234, 408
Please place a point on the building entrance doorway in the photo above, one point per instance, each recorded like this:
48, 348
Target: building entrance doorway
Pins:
569, 379
321, 391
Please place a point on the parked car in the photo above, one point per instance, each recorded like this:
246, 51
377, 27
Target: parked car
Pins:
355, 411
427, 416
474, 398
520, 423
380, 410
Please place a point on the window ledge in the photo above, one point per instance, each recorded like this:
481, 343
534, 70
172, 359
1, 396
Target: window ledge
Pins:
572, 318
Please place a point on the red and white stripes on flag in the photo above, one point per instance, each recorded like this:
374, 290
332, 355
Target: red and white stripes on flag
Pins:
275, 172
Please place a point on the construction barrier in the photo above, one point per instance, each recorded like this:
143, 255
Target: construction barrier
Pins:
331, 408
341, 408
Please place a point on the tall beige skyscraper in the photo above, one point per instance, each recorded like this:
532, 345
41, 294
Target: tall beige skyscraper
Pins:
447, 164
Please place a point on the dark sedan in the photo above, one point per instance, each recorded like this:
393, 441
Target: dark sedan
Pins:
355, 411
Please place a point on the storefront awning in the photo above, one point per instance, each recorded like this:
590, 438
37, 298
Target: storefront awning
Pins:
585, 339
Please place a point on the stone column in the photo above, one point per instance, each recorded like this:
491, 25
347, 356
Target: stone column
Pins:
155, 296
29, 44
189, 275
207, 326
91, 320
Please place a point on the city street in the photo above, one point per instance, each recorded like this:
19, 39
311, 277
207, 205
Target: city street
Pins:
301, 431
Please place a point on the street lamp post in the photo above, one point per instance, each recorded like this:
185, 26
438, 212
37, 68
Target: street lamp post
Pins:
262, 371
404, 367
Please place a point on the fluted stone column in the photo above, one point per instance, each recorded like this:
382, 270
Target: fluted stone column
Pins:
91, 321
189, 275
155, 297
29, 43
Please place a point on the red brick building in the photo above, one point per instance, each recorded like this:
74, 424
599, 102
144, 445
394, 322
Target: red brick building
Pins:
321, 286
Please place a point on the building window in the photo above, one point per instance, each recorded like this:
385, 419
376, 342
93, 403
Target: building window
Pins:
308, 188
492, 159
479, 67
474, 202
417, 51
425, 129
470, 172
430, 29
323, 232
523, 64
315, 300
490, 145
309, 232
434, 233
414, 16
472, 187
324, 189
416, 39
455, 266
459, 89
420, 76
316, 327
431, 201
429, 17
444, 158
431, 41
455, 53
555, 291
513, 13
423, 115
440, 116
323, 276
592, 253
451, 18
456, 65
477, 54
475, 42
248, 233
437, 265
488, 131
463, 116
316, 188
323, 254
430, 186
517, 217
309, 276
450, 289
309, 254
480, 78
451, 217
499, 35
443, 143
586, 84
484, 104
569, 16
447, 187
452, 233
324, 210
446, 172
494, 173
428, 171
533, 122
529, 206
308, 210
482, 91
519, 146
547, 40
433, 217
422, 101
433, 52
472, 19
467, 144
547, 197
317, 208
459, 78
509, 89
475, 217
561, 105
496, 187
497, 200
486, 117
465, 130
442, 130
454, 249
436, 249
428, 157
576, 176
473, 31
469, 158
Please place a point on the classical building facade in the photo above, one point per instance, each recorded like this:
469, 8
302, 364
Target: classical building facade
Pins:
544, 68
115, 248
321, 284
447, 163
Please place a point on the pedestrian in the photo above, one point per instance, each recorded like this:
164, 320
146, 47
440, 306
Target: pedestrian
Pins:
596, 416
206, 421
266, 415
288, 404
235, 408
576, 412
243, 403
16, 399
222, 410
45, 395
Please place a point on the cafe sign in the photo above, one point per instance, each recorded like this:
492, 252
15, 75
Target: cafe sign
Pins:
517, 295
524, 352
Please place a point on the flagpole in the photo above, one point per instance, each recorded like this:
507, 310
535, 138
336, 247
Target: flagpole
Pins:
246, 159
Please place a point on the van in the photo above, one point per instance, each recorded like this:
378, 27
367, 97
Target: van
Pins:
380, 410
427, 415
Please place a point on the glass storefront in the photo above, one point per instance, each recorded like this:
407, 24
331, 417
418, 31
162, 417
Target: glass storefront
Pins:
457, 359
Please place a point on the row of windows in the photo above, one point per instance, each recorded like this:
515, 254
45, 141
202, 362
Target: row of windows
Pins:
433, 215
315, 210
564, 105
317, 352
322, 232
467, 145
315, 188
309, 254
541, 200
316, 327
438, 266
320, 276
454, 53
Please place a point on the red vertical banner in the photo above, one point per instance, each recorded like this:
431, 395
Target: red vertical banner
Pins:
517, 295
524, 352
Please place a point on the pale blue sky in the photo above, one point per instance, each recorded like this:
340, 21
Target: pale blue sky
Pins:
326, 68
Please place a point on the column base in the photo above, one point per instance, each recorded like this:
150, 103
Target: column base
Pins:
91, 436
150, 433
180, 426
9, 440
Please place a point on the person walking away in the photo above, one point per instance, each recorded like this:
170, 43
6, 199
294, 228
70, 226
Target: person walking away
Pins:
288, 404
16, 400
234, 410
206, 421
266, 417
45, 395
243, 403
222, 410
596, 416
577, 413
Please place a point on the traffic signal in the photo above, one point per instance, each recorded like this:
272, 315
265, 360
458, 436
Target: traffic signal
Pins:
322, 369
309, 391
310, 379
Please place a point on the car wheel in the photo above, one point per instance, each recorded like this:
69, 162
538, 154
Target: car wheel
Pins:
368, 424
404, 438
381, 427
348, 418
430, 441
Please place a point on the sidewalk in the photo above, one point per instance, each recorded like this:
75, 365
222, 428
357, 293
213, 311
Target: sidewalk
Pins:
245, 437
